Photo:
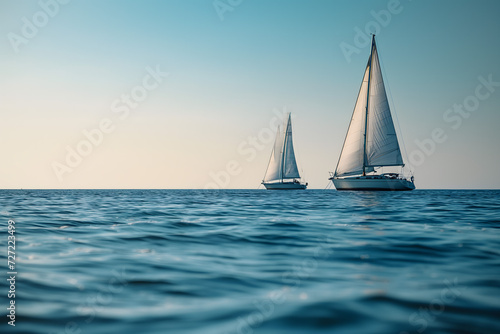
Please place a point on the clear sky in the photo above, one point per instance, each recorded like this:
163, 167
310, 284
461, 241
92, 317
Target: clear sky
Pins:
184, 93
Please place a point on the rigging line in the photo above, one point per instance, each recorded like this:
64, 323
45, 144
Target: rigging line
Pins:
393, 109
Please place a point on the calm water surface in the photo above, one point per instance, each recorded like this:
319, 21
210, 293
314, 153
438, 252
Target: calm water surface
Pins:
253, 261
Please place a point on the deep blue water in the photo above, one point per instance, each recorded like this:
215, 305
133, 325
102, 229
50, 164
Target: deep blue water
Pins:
253, 261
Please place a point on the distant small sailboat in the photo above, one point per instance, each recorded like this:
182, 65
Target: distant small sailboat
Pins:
282, 172
371, 141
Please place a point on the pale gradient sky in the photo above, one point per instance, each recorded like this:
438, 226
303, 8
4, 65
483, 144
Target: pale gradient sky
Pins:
226, 80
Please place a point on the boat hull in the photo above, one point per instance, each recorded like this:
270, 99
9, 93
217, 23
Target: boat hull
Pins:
285, 186
371, 183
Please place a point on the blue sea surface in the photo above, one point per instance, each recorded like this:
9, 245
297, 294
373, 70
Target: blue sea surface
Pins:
253, 261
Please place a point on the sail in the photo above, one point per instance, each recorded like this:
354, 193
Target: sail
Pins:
351, 158
371, 118
290, 170
382, 148
274, 168
282, 164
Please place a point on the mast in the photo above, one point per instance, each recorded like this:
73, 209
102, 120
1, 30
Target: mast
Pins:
367, 101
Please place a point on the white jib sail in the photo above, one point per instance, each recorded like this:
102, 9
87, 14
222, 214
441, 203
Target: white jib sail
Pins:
382, 148
290, 170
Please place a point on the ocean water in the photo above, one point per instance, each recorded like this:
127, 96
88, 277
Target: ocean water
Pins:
253, 261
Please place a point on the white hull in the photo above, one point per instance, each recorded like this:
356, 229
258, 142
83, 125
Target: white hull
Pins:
284, 185
372, 183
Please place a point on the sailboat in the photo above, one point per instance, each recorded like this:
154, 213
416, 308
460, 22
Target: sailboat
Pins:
282, 172
371, 142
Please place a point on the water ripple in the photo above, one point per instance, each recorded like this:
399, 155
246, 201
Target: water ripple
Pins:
247, 261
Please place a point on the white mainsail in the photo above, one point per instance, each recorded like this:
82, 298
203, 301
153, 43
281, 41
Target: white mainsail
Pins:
371, 139
282, 164
351, 158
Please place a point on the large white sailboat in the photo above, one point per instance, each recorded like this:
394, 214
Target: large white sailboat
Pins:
371, 143
282, 172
